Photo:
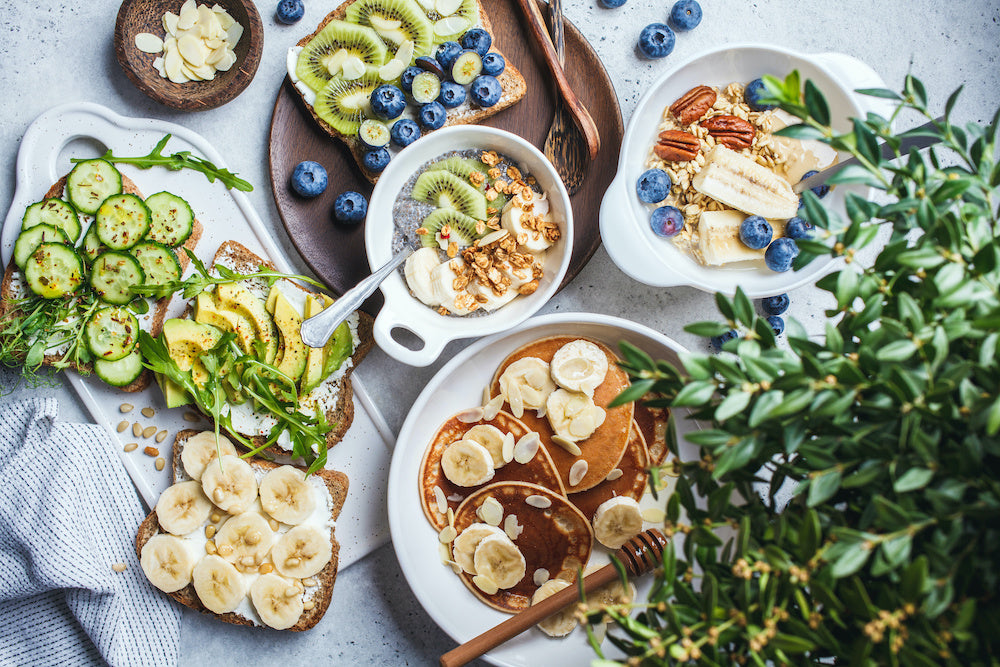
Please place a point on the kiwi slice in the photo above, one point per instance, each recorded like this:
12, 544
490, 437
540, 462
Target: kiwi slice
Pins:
324, 50
453, 26
462, 227
395, 21
464, 168
344, 104
446, 190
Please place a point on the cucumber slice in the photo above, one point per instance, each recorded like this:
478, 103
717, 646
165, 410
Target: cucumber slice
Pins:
29, 240
122, 220
172, 220
112, 333
53, 212
158, 262
113, 274
91, 182
122, 372
53, 270
91, 246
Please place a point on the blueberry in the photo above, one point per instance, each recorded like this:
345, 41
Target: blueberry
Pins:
486, 90
656, 40
388, 102
451, 95
797, 228
477, 40
774, 305
612, 4
430, 65
756, 232
290, 11
493, 63
685, 15
754, 92
719, 341
432, 115
309, 178
666, 221
653, 186
777, 324
376, 160
779, 255
820, 190
404, 132
350, 207
406, 80
446, 54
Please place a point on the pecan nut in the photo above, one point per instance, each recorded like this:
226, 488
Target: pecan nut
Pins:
730, 131
693, 104
677, 146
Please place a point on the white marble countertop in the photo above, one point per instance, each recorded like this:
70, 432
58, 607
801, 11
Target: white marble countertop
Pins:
54, 51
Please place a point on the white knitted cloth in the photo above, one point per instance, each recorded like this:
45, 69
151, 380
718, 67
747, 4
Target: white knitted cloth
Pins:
68, 513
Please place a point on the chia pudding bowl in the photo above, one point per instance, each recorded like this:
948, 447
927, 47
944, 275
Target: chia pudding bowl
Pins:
496, 261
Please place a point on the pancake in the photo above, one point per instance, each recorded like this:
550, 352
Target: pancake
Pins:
539, 470
604, 448
653, 423
632, 483
558, 538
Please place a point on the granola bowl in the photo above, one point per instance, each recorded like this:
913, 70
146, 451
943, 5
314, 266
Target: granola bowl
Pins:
415, 333
625, 219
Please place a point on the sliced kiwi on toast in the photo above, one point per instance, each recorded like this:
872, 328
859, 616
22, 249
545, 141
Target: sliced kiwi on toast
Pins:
395, 21
461, 228
344, 103
464, 167
324, 50
446, 190
453, 26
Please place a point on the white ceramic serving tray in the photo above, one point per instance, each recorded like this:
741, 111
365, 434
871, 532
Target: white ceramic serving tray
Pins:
458, 385
624, 219
87, 130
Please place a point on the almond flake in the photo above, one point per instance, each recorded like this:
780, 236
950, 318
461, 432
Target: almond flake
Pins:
456, 498
442, 503
485, 584
492, 407
147, 42
541, 576
491, 511
527, 447
507, 452
614, 474
577, 472
653, 515
448, 535
568, 445
470, 416
511, 527
541, 502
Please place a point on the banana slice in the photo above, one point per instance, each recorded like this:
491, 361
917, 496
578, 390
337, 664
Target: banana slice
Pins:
579, 366
458, 301
182, 508
740, 182
166, 562
519, 217
245, 539
563, 621
277, 600
218, 584
231, 485
573, 415
418, 270
463, 548
491, 438
467, 463
526, 384
489, 300
199, 450
498, 558
286, 495
616, 521
302, 552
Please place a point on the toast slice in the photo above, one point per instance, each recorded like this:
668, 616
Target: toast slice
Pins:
336, 484
512, 83
13, 287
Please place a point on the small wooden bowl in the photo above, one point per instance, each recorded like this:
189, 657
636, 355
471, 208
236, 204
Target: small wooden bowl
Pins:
136, 16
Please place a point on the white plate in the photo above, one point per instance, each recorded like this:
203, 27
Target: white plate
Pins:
625, 228
87, 130
459, 384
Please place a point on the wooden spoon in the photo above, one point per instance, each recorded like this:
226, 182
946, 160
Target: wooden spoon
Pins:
639, 555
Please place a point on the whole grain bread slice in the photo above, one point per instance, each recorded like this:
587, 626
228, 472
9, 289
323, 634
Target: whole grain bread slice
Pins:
336, 483
8, 295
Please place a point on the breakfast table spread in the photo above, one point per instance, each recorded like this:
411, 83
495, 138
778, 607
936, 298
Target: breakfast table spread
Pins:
61, 68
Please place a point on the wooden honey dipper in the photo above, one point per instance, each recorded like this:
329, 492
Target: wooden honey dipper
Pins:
639, 555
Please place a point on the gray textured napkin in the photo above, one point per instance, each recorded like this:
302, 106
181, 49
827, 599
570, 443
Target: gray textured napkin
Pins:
68, 514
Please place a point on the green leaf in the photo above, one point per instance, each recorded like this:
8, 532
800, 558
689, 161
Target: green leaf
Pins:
823, 486
884, 93
914, 579
743, 307
898, 350
636, 357
637, 390
912, 480
765, 404
694, 393
799, 132
993, 417
707, 329
791, 644
897, 550
733, 404
816, 103
852, 560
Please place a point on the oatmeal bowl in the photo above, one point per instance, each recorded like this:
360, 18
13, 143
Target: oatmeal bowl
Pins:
489, 228
703, 195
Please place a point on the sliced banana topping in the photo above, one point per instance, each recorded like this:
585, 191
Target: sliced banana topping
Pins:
302, 552
579, 366
245, 539
563, 621
738, 181
573, 415
286, 495
166, 562
719, 238
443, 277
277, 600
463, 548
526, 384
491, 438
201, 449
182, 508
230, 484
616, 521
418, 270
218, 584
498, 558
521, 218
467, 463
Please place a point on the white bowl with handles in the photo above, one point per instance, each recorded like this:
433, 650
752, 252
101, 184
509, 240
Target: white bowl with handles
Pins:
624, 219
404, 311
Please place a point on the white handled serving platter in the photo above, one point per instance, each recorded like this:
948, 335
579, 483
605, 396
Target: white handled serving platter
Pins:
459, 385
87, 130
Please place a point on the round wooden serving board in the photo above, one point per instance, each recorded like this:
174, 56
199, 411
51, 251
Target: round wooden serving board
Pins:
336, 253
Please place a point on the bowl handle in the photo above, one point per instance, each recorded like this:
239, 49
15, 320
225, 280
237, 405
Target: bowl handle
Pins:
855, 74
433, 343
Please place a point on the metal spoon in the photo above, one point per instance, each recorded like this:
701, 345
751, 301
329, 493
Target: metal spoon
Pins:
316, 330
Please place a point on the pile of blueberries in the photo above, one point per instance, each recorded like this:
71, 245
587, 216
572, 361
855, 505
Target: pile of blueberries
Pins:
657, 39
773, 307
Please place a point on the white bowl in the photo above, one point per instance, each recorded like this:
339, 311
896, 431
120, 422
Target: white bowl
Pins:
404, 311
624, 219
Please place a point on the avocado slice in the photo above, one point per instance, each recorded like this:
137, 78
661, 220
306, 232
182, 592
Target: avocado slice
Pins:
208, 311
339, 347
315, 359
173, 393
186, 340
292, 360
237, 297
